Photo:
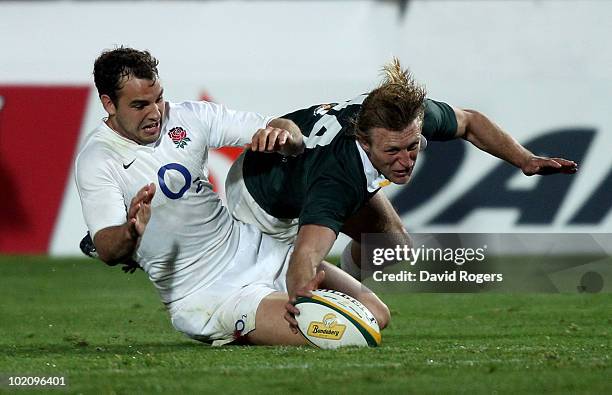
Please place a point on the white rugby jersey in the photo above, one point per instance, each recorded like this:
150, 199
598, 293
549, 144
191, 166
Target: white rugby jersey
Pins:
191, 238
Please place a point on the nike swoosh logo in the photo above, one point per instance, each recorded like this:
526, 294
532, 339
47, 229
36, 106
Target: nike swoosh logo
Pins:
129, 164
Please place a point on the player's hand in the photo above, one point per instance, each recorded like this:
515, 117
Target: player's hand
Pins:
273, 139
139, 212
544, 166
304, 290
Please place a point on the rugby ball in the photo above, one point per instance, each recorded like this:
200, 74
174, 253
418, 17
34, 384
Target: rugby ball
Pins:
331, 319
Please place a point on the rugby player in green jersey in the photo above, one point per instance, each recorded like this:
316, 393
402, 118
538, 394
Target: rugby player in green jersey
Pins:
351, 150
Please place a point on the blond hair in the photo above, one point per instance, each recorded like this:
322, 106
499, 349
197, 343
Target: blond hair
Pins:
395, 104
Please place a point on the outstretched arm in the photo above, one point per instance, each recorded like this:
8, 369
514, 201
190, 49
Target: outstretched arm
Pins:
489, 137
116, 244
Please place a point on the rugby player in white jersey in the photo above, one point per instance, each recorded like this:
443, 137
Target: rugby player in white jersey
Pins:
143, 183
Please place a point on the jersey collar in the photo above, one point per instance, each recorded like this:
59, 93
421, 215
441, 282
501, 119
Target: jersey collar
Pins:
374, 179
114, 135
111, 132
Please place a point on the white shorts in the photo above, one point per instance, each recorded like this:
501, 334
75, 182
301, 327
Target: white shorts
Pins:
244, 208
225, 310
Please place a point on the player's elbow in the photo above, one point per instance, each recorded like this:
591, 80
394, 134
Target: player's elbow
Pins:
466, 121
108, 258
114, 244
385, 317
382, 314
106, 252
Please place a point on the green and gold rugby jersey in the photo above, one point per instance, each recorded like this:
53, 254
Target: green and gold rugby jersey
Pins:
326, 184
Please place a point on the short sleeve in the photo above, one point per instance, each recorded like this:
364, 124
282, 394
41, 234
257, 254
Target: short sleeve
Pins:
101, 198
230, 127
440, 122
329, 202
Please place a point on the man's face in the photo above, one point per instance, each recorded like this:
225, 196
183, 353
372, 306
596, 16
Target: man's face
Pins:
139, 111
394, 153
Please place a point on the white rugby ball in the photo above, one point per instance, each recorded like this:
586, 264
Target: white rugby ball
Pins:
331, 319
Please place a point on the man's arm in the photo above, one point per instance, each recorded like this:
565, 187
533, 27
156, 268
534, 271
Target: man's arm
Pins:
116, 244
281, 135
312, 244
489, 137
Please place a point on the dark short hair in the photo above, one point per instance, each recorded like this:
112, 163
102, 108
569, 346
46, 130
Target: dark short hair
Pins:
112, 66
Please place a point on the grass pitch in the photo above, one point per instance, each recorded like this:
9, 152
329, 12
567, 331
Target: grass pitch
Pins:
107, 332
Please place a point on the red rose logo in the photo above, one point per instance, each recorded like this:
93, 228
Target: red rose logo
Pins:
178, 135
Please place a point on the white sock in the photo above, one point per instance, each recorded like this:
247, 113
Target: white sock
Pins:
348, 265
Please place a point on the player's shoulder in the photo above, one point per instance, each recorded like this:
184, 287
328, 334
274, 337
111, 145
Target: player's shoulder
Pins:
191, 106
350, 106
193, 112
99, 148
440, 122
196, 118
96, 143
347, 112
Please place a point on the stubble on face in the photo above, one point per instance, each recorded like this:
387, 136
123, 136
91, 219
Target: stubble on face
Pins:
394, 153
139, 111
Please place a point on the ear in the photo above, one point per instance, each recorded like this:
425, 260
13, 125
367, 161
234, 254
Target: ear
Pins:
423, 144
363, 142
108, 104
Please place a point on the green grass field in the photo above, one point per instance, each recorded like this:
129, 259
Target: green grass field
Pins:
107, 332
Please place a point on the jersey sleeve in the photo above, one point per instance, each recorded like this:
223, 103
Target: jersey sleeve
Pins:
440, 122
329, 202
101, 198
229, 127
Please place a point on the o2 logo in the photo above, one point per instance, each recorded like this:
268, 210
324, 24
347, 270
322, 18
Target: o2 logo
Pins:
162, 182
